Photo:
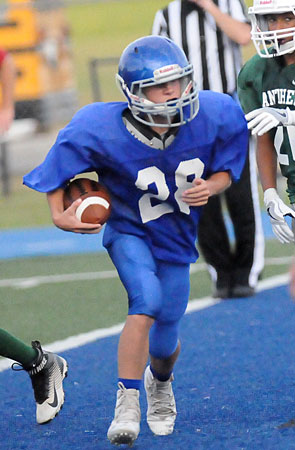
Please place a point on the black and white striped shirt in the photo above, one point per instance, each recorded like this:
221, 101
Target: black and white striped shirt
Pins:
217, 60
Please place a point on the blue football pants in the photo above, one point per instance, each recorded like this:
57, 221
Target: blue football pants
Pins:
158, 289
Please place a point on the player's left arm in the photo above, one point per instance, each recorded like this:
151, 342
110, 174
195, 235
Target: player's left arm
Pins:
203, 189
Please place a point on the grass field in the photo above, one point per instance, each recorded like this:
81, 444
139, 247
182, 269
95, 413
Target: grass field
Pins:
52, 298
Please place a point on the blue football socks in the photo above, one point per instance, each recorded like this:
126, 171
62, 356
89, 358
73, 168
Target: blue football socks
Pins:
130, 384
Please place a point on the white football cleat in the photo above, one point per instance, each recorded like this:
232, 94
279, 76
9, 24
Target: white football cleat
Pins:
125, 426
161, 413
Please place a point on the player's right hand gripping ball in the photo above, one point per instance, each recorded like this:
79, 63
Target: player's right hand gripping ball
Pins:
96, 202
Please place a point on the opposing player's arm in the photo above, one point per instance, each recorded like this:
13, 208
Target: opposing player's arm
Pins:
203, 189
276, 208
261, 120
266, 162
66, 219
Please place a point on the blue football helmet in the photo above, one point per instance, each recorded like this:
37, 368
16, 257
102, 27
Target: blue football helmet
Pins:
153, 60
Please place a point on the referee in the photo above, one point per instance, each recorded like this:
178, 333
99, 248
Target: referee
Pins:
211, 33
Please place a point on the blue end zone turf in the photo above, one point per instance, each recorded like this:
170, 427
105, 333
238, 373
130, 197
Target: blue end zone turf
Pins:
46, 241
234, 386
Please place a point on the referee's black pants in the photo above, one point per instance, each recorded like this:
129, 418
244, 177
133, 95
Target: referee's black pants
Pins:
232, 261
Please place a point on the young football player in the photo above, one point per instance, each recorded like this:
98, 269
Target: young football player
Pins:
45, 369
266, 87
161, 155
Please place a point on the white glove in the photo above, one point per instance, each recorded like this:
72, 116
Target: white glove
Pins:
264, 119
277, 211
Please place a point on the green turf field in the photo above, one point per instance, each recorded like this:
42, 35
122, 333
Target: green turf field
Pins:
51, 298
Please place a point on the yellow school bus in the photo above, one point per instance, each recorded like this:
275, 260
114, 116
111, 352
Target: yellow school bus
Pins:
38, 37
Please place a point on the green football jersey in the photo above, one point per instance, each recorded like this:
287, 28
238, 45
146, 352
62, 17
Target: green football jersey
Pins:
267, 82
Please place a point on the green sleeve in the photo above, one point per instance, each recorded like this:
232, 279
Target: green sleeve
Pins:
249, 84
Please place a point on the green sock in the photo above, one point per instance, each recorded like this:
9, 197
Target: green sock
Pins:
13, 348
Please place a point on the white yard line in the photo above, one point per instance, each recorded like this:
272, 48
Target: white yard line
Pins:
31, 282
273, 282
194, 305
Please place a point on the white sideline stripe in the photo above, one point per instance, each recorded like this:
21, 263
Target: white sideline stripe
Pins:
31, 282
194, 305
85, 338
278, 260
269, 283
72, 342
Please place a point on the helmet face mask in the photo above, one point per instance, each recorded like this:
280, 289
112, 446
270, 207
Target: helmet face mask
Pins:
153, 61
268, 43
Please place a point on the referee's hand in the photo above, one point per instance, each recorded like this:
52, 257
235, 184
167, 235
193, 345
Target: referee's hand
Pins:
204, 4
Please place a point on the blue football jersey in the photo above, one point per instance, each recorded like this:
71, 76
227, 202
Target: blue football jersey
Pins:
146, 184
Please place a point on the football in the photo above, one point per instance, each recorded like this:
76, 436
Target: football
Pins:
96, 205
